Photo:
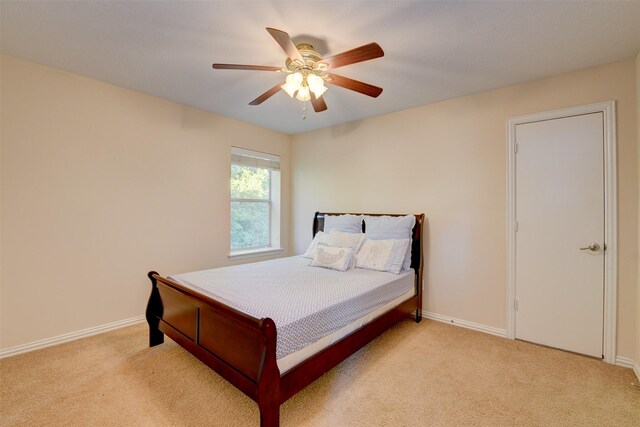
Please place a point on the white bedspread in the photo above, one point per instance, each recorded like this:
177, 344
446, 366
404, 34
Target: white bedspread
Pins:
306, 303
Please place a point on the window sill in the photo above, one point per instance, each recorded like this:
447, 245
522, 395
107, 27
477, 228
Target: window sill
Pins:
252, 253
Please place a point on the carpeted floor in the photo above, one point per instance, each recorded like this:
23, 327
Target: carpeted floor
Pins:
415, 374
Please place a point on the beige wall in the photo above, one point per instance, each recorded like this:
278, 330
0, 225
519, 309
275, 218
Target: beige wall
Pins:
93, 183
100, 185
448, 160
1, 287
637, 359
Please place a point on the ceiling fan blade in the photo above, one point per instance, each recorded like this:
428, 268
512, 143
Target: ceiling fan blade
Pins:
355, 85
359, 54
245, 67
286, 44
318, 103
268, 94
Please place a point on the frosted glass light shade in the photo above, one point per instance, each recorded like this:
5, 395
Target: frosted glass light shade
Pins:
316, 85
292, 83
319, 91
289, 89
303, 94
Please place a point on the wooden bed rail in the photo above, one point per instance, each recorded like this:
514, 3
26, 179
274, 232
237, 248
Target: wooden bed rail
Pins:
237, 346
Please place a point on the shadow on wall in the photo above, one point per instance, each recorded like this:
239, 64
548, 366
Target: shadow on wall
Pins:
191, 118
345, 129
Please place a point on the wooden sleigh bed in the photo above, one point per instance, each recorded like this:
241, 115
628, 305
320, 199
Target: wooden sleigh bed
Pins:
242, 348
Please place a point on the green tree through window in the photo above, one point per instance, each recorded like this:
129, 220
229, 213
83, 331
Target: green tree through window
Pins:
250, 207
255, 201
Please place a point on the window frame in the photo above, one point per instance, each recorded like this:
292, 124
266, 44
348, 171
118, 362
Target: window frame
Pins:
273, 203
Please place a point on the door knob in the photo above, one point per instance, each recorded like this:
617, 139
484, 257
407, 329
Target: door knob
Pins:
594, 247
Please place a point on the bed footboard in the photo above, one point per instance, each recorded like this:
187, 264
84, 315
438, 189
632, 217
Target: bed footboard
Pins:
240, 348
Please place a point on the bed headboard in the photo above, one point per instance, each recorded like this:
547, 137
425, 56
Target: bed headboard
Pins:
416, 238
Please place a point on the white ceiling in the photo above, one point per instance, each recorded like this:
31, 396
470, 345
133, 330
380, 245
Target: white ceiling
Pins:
434, 50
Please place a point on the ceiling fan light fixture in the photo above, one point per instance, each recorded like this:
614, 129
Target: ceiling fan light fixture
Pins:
303, 93
318, 93
292, 83
289, 89
307, 71
316, 85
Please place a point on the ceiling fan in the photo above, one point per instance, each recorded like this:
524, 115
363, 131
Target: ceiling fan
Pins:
308, 71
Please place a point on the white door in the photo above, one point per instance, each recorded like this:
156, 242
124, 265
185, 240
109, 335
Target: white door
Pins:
559, 267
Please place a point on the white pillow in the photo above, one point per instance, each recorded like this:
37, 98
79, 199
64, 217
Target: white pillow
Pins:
347, 223
383, 255
320, 237
346, 240
332, 257
340, 238
391, 227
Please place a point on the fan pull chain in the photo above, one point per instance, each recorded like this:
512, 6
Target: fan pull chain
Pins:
304, 111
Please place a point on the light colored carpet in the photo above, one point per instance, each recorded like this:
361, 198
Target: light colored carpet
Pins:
415, 374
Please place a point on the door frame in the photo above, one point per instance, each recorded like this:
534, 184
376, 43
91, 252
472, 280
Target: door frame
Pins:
608, 109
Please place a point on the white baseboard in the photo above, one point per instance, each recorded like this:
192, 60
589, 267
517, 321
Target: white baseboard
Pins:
620, 361
625, 362
465, 324
37, 345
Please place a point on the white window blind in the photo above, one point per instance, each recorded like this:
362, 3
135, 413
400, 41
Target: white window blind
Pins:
255, 159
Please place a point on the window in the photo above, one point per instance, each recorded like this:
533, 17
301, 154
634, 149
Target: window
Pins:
255, 202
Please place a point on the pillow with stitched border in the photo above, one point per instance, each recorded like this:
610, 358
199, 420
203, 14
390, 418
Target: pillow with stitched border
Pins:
382, 255
347, 223
391, 227
335, 258
320, 237
346, 240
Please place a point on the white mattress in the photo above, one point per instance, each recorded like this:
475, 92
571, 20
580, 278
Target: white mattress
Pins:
306, 303
292, 360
